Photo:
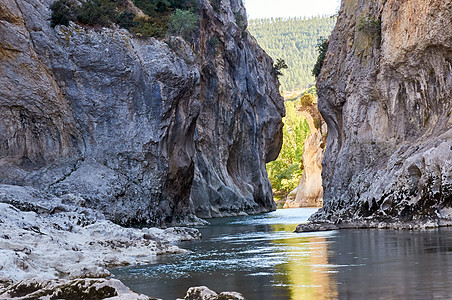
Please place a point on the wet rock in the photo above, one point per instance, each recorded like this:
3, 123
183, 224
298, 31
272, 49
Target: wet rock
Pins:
385, 95
313, 226
204, 293
88, 288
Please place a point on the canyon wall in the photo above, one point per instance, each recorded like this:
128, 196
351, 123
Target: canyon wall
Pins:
135, 126
385, 91
309, 192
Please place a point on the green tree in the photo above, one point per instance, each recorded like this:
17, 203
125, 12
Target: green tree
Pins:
279, 66
183, 23
322, 48
285, 172
98, 12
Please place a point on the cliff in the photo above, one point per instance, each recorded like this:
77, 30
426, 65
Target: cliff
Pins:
385, 92
135, 126
309, 192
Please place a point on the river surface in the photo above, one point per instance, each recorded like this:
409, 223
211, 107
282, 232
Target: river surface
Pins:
261, 257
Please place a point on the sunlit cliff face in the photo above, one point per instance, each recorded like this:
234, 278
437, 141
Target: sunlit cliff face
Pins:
385, 92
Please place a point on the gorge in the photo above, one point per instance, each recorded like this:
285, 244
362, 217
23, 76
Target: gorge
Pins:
105, 133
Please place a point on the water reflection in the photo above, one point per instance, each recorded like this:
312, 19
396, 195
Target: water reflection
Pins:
262, 258
306, 272
394, 264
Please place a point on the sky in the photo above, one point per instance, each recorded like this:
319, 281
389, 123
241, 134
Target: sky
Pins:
290, 8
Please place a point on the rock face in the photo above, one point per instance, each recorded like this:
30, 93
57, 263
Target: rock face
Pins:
385, 91
49, 237
309, 192
127, 123
239, 128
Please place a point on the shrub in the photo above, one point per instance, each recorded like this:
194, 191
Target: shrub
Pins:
63, 11
279, 66
98, 12
240, 20
183, 23
322, 47
126, 20
149, 27
307, 100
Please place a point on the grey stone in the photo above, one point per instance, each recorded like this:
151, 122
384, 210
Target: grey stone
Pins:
387, 102
147, 131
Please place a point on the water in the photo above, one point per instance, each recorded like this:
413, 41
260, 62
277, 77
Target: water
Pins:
262, 258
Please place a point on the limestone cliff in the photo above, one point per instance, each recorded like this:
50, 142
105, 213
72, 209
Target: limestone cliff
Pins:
385, 91
309, 192
239, 128
124, 122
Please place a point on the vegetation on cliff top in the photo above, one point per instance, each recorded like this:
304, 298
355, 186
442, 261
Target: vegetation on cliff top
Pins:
158, 17
293, 40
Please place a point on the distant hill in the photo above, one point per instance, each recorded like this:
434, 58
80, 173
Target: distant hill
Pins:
293, 40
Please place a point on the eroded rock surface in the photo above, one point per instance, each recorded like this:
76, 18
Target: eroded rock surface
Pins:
89, 288
127, 123
204, 293
239, 128
309, 192
50, 237
385, 92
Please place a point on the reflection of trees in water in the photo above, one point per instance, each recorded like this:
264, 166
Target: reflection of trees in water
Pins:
306, 272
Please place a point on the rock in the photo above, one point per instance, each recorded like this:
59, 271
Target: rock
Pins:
87, 288
128, 123
385, 92
312, 226
39, 240
309, 192
204, 293
239, 128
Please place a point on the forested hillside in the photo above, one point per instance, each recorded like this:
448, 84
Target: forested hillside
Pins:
293, 40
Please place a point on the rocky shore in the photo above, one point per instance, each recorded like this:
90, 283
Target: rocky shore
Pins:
55, 245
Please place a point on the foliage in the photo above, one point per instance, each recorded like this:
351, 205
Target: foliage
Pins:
183, 23
98, 12
240, 20
279, 66
293, 40
161, 16
307, 100
322, 47
370, 25
63, 11
285, 172
126, 20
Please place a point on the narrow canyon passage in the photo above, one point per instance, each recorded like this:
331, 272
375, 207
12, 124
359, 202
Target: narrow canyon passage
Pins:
262, 258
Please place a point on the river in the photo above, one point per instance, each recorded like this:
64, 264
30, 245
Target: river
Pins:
260, 257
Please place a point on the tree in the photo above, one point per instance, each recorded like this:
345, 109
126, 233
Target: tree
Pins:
279, 66
322, 47
183, 23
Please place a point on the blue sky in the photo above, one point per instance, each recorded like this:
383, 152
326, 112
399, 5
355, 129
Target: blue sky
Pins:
290, 8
